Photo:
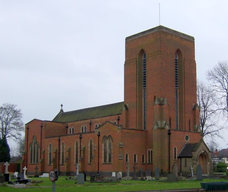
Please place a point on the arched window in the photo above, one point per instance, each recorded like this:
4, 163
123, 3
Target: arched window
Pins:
149, 156
179, 82
135, 159
127, 158
141, 90
63, 153
90, 151
107, 143
34, 151
49, 154
143, 159
76, 152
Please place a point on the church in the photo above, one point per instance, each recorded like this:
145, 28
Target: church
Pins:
156, 126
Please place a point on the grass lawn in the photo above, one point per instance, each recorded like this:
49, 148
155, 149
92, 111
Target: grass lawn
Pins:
69, 186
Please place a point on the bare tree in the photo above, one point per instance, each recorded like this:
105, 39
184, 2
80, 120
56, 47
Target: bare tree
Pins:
208, 111
218, 76
11, 123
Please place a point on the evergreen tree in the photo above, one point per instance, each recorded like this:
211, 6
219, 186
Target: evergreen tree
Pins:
4, 150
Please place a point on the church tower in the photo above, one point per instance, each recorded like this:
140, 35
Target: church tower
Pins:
160, 89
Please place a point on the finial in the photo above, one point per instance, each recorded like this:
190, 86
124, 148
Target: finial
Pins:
61, 108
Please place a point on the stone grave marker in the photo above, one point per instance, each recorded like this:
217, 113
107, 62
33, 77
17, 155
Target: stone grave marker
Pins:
128, 172
148, 175
141, 174
175, 169
135, 174
199, 173
119, 175
114, 174
6, 174
25, 169
191, 170
77, 169
80, 178
157, 173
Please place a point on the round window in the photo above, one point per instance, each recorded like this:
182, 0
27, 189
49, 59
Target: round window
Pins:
186, 138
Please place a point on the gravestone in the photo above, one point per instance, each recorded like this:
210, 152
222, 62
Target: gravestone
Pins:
25, 169
6, 174
175, 169
141, 174
172, 178
119, 175
15, 174
128, 172
148, 175
135, 175
80, 178
114, 174
199, 173
157, 173
191, 170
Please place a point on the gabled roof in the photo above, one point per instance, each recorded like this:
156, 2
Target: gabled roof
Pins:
90, 113
187, 150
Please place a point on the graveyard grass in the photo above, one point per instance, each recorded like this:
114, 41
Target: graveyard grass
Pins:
69, 185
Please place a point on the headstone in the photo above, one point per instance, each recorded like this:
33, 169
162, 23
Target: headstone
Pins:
135, 176
128, 172
45, 175
80, 178
157, 173
113, 174
141, 174
191, 170
148, 175
15, 174
199, 173
171, 177
175, 169
6, 167
25, 169
119, 175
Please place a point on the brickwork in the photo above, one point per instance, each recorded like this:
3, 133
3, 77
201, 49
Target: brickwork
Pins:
164, 109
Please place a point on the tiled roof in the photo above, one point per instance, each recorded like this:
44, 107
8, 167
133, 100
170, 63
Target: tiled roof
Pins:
187, 150
90, 113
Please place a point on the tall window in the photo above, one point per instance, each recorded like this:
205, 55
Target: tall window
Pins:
176, 91
141, 90
179, 90
76, 152
144, 90
34, 151
62, 153
49, 154
135, 159
149, 156
143, 159
126, 158
107, 143
90, 147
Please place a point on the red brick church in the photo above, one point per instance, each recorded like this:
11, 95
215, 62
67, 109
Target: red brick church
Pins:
157, 124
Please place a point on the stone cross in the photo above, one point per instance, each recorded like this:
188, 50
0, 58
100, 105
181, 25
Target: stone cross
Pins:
128, 171
25, 169
191, 169
135, 176
141, 173
6, 168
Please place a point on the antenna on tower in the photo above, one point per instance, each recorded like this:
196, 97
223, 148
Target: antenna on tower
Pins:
159, 14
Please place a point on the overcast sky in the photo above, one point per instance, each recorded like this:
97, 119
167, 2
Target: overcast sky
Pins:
71, 52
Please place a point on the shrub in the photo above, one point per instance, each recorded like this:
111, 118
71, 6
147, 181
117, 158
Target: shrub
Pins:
221, 167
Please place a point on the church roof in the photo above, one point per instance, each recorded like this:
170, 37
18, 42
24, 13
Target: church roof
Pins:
187, 150
90, 113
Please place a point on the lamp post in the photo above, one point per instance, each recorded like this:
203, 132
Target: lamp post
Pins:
169, 135
98, 135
